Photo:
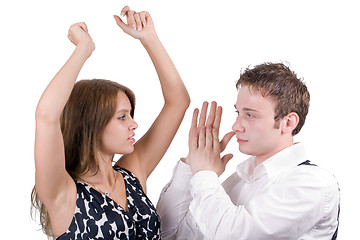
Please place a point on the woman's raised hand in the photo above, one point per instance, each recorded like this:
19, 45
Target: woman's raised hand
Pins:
79, 36
139, 24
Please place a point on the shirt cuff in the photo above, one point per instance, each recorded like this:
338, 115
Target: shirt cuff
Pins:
204, 181
182, 175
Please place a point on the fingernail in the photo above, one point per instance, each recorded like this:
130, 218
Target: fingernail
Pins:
122, 14
134, 27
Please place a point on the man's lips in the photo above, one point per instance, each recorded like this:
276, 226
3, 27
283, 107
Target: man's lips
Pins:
239, 140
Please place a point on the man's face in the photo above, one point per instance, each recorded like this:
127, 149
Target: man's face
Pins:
254, 125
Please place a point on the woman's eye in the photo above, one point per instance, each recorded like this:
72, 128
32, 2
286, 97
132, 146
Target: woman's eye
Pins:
249, 115
122, 118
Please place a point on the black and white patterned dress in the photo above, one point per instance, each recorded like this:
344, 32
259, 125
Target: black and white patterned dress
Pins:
99, 217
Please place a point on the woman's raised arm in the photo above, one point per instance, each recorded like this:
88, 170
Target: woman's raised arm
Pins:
52, 181
152, 146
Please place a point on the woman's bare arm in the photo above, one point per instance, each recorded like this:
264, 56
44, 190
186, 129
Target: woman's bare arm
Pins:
152, 146
53, 184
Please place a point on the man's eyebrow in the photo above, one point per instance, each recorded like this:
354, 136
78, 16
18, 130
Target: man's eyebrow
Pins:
250, 109
246, 109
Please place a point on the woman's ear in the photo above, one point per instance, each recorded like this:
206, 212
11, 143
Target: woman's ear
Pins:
289, 122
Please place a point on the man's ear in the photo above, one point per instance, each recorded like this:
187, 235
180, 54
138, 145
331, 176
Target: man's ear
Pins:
289, 122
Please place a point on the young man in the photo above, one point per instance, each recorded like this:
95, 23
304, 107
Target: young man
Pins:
275, 194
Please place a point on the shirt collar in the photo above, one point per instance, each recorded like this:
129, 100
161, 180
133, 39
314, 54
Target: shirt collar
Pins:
283, 160
249, 172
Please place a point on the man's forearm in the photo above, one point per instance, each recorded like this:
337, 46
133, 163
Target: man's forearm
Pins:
174, 201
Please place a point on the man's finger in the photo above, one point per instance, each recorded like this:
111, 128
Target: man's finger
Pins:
203, 114
202, 138
194, 118
226, 140
212, 113
193, 133
225, 159
217, 119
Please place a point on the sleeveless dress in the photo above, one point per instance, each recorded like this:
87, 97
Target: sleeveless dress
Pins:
99, 217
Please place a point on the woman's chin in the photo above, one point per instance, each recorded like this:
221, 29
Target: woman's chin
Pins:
128, 150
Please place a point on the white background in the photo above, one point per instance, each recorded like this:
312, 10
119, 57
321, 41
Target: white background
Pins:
209, 42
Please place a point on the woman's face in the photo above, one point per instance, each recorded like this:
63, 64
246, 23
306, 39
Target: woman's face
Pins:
118, 135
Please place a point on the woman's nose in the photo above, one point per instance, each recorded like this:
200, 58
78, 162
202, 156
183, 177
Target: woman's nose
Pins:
133, 125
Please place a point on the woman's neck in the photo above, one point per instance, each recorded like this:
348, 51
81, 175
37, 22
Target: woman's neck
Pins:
103, 175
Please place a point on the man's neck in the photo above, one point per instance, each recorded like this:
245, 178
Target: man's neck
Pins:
262, 158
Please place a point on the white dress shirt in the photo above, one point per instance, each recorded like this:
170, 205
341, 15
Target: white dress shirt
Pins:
275, 200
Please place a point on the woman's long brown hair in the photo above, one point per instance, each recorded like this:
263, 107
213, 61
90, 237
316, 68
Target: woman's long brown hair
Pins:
90, 107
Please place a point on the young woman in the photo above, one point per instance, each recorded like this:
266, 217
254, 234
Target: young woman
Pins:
79, 128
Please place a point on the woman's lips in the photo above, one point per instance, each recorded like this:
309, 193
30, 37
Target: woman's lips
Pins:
132, 139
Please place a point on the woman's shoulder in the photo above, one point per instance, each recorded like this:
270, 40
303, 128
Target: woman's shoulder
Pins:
126, 173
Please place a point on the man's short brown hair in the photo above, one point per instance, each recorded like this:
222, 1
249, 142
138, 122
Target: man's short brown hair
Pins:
278, 83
